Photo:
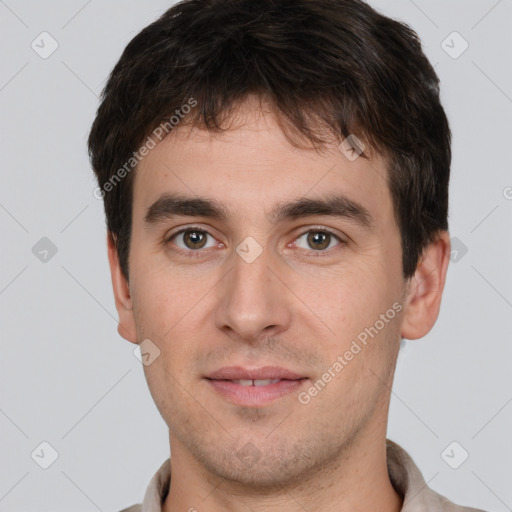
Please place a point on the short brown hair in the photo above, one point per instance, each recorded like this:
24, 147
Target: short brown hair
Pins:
319, 63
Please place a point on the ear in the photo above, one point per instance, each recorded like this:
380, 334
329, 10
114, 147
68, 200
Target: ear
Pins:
126, 326
426, 288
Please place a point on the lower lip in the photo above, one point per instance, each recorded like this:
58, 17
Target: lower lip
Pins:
255, 395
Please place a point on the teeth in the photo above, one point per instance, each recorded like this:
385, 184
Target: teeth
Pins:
256, 382
265, 382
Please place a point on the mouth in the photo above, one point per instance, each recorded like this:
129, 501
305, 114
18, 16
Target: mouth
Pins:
254, 386
253, 382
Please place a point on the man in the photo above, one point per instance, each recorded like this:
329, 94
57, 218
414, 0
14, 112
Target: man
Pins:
275, 178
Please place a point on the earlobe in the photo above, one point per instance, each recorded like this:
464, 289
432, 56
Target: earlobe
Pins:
123, 299
426, 288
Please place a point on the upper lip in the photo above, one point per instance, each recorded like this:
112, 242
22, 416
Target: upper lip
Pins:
262, 373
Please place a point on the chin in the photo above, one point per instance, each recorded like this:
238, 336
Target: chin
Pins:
278, 463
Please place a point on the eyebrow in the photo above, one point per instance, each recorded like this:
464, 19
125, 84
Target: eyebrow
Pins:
172, 205
331, 206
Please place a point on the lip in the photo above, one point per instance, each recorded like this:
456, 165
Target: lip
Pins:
221, 381
262, 373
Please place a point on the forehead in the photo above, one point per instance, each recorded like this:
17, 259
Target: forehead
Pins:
252, 166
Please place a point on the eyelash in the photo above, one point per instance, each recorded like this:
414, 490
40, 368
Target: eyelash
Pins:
191, 253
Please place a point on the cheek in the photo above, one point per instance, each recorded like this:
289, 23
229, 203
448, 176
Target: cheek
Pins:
165, 310
160, 311
348, 301
160, 300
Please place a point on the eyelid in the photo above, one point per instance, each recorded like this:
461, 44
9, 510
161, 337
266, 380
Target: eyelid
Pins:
184, 229
340, 236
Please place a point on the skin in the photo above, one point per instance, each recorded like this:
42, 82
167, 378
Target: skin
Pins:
295, 306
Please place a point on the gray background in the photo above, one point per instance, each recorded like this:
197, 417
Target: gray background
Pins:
67, 378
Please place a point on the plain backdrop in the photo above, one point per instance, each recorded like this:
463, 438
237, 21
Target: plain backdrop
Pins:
68, 379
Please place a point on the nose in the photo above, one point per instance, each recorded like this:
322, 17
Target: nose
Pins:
254, 301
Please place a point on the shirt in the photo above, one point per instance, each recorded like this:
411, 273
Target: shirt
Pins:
403, 473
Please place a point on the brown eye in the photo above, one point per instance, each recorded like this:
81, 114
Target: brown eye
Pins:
192, 239
317, 240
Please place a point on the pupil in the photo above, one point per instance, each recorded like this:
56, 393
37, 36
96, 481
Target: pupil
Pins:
318, 240
196, 238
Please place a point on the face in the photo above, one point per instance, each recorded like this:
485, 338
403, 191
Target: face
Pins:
288, 270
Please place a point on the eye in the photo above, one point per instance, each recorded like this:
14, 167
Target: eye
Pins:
317, 239
191, 239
